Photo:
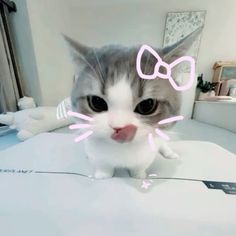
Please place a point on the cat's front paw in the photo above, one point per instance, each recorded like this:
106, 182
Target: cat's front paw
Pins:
172, 155
102, 174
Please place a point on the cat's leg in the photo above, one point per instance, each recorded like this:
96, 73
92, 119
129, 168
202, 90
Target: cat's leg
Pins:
167, 152
138, 172
103, 172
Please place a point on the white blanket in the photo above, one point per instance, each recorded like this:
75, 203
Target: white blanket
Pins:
64, 203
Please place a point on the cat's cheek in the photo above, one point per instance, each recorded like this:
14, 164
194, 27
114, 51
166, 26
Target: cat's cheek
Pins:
140, 135
101, 126
141, 130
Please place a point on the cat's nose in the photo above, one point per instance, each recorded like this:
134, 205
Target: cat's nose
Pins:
124, 134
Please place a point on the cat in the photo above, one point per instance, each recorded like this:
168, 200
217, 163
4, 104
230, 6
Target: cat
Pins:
124, 107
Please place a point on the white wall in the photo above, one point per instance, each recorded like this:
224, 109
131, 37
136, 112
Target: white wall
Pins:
99, 22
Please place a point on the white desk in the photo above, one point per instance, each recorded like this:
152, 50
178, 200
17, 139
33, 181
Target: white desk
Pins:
70, 205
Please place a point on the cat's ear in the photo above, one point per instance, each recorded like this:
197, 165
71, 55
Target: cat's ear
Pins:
78, 53
180, 48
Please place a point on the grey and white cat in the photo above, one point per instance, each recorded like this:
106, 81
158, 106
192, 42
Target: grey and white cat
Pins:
124, 107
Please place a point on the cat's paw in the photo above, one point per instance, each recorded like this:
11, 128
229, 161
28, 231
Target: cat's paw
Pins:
138, 174
101, 174
172, 155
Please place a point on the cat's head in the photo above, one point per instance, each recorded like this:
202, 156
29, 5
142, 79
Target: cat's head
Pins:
124, 107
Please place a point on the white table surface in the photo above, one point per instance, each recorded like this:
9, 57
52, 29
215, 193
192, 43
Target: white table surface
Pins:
71, 205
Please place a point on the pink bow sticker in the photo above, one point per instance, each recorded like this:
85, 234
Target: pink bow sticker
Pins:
168, 67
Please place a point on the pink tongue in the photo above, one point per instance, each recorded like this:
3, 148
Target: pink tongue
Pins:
125, 134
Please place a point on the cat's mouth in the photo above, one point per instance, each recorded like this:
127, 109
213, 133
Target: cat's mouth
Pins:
124, 134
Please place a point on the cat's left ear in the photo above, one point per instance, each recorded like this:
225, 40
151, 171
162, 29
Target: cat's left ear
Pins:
78, 53
179, 49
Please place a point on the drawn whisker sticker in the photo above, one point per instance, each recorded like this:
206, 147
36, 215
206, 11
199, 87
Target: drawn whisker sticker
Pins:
79, 115
83, 136
160, 133
81, 126
169, 120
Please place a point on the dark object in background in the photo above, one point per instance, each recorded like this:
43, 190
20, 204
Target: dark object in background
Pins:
10, 78
9, 4
205, 86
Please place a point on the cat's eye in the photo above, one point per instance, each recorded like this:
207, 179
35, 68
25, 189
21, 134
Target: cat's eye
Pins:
146, 107
97, 104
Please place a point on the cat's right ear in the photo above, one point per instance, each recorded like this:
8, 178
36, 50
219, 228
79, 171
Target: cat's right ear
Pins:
179, 49
78, 53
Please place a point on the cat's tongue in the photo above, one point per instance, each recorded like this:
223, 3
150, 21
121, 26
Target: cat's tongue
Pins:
124, 134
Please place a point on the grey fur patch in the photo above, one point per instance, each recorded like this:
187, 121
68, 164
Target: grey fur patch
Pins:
112, 63
104, 67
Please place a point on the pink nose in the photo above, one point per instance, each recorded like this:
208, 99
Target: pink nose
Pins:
124, 134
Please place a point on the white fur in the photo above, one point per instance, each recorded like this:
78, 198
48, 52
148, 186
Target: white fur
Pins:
106, 154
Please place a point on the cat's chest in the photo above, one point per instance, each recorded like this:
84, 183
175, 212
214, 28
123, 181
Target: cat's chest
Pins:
121, 155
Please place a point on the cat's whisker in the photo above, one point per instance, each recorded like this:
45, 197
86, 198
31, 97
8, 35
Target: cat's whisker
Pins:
171, 119
162, 134
80, 126
91, 67
79, 115
83, 136
145, 67
151, 141
99, 64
